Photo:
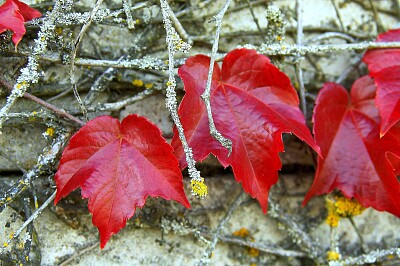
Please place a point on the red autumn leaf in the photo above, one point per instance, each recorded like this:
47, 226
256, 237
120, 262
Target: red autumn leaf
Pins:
118, 165
355, 156
384, 65
253, 103
13, 14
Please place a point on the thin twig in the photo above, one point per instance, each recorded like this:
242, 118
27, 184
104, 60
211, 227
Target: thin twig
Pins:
364, 247
73, 56
330, 35
377, 19
369, 258
339, 16
205, 259
301, 238
270, 49
264, 248
288, 49
207, 92
127, 5
80, 253
45, 160
299, 71
29, 74
29, 220
255, 19
59, 112
179, 28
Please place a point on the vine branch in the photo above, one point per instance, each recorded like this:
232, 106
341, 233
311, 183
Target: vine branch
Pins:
207, 92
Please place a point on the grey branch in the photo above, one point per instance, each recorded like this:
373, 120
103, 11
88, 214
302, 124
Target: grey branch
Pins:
29, 220
205, 260
174, 44
207, 92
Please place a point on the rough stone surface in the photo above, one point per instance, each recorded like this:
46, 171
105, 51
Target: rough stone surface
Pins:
163, 233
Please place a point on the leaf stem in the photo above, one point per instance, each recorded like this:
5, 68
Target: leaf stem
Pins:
207, 92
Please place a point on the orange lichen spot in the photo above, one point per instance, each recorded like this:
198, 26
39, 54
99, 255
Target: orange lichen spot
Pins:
199, 189
137, 82
242, 232
332, 255
253, 264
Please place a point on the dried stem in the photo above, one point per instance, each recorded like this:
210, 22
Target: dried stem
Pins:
207, 92
339, 16
301, 238
30, 74
369, 258
205, 260
59, 112
299, 71
255, 19
73, 56
29, 220
45, 160
127, 5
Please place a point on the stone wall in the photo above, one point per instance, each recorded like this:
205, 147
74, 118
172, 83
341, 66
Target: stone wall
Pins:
121, 70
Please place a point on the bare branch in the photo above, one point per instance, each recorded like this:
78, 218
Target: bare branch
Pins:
207, 92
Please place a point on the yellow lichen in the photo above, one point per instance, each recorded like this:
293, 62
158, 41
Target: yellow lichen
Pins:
199, 188
59, 31
332, 255
242, 232
253, 252
348, 207
50, 131
137, 21
333, 218
149, 85
137, 82
5, 244
279, 38
169, 83
341, 207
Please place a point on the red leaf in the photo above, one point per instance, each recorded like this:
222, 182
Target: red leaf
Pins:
13, 14
118, 165
253, 103
355, 156
384, 65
